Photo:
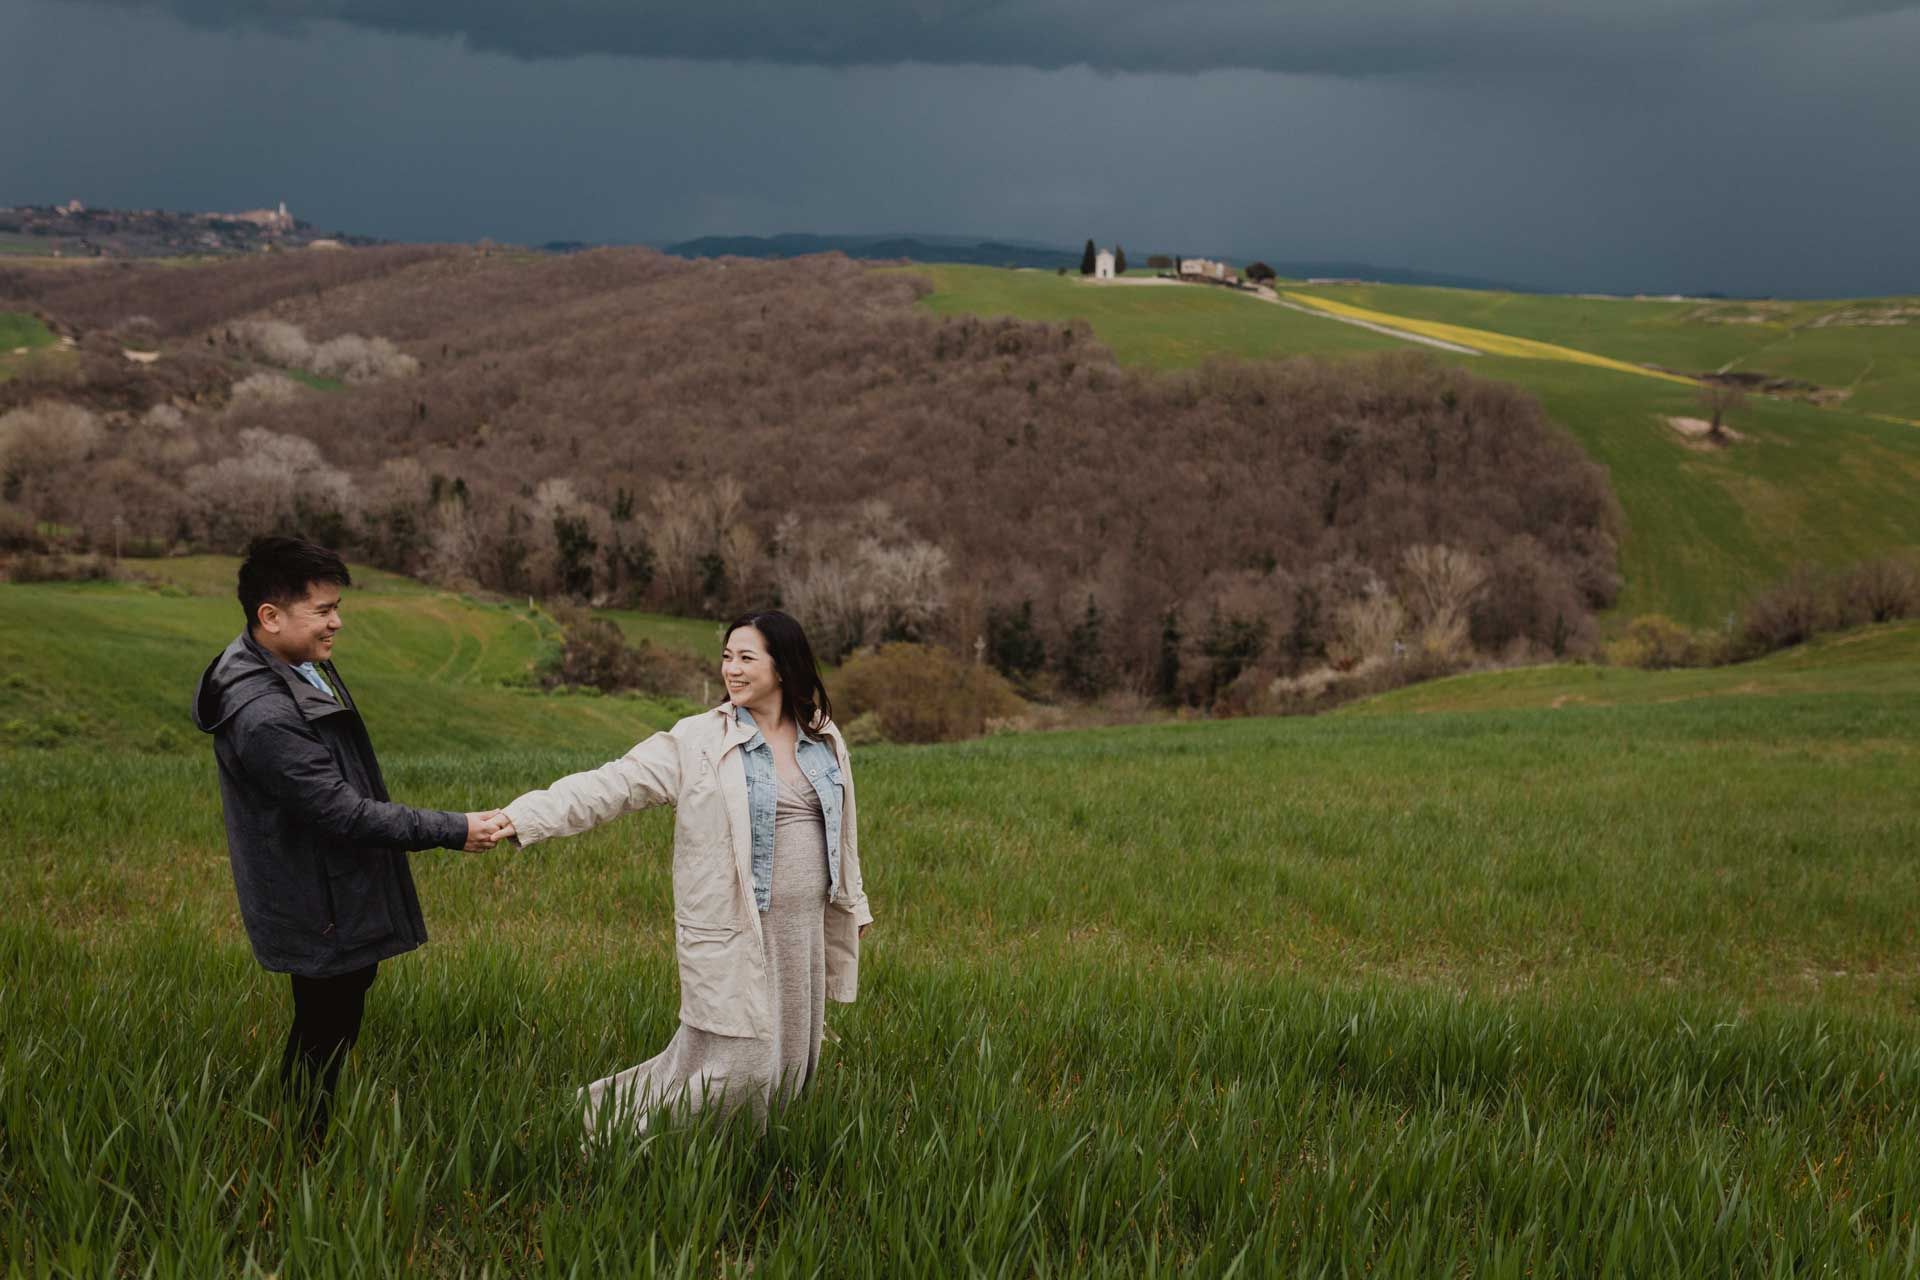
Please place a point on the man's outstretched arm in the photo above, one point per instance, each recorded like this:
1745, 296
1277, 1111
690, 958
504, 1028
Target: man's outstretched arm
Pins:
288, 761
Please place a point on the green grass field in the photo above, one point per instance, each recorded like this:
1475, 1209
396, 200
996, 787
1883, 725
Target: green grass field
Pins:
1706, 527
685, 635
1868, 347
1884, 659
1159, 326
1454, 982
478, 655
20, 330
21, 336
318, 381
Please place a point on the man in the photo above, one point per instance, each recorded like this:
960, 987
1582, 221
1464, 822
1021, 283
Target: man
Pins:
317, 849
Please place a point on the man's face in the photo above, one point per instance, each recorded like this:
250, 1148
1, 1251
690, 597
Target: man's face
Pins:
303, 630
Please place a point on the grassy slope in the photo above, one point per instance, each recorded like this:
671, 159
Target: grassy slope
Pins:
1400, 804
19, 330
1622, 989
1705, 528
1160, 327
1879, 364
114, 666
688, 635
1883, 660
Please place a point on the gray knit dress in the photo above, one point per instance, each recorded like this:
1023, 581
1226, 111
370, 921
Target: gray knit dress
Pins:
700, 1070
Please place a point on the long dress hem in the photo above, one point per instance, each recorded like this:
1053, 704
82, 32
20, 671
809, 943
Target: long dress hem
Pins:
703, 1072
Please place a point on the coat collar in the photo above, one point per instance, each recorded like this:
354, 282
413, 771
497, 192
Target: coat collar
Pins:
741, 731
312, 703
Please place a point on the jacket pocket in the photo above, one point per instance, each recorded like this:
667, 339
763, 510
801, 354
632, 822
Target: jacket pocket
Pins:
358, 901
714, 978
705, 882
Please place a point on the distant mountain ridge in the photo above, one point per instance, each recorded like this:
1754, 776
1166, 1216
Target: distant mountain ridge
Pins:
1026, 253
980, 253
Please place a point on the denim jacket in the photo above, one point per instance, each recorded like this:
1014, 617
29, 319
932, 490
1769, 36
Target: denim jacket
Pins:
817, 761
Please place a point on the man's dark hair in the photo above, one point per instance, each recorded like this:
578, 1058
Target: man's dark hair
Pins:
803, 693
283, 570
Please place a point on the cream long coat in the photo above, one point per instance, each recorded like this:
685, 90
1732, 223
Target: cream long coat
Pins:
697, 766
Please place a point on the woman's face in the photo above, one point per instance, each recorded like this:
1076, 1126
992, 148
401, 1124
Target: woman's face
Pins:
747, 669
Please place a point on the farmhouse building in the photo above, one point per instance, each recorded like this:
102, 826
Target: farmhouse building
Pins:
1207, 269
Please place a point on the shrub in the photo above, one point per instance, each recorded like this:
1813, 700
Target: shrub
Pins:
275, 341
1882, 590
28, 567
864, 729
1787, 613
921, 693
595, 655
352, 358
18, 532
263, 389
1656, 643
349, 357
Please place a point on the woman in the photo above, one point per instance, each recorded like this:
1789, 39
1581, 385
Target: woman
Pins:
767, 902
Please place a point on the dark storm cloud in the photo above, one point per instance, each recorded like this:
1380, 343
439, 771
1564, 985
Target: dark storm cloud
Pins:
1337, 37
1769, 158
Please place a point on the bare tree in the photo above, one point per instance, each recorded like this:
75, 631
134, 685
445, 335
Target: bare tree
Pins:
272, 482
1719, 399
1368, 627
1442, 583
677, 534
44, 448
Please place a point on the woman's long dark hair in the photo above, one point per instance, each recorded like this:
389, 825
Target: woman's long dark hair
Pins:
803, 695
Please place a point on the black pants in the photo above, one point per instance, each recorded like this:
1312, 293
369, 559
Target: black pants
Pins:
326, 1022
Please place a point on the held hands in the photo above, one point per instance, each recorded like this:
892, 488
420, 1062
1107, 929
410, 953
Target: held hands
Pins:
485, 830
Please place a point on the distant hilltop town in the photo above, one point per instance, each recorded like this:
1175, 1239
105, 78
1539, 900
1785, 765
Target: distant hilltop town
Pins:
72, 230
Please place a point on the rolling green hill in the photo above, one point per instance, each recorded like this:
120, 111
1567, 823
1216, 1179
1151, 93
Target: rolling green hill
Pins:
1873, 662
108, 665
687, 635
1868, 348
1161, 327
1706, 526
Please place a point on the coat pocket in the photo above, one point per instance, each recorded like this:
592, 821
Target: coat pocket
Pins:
715, 976
358, 899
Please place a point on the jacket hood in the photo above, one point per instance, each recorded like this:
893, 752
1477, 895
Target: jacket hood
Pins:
239, 675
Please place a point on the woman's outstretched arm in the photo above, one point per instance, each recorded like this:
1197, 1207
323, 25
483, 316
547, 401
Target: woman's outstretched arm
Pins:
645, 776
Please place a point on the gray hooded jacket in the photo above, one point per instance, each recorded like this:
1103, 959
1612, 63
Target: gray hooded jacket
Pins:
316, 848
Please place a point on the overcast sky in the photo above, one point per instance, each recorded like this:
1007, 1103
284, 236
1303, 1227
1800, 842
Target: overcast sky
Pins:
1740, 146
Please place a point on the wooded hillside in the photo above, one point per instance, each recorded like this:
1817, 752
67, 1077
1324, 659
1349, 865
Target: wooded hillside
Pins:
638, 429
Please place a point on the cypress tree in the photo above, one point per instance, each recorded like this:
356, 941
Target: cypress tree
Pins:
1086, 260
1083, 664
1167, 678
